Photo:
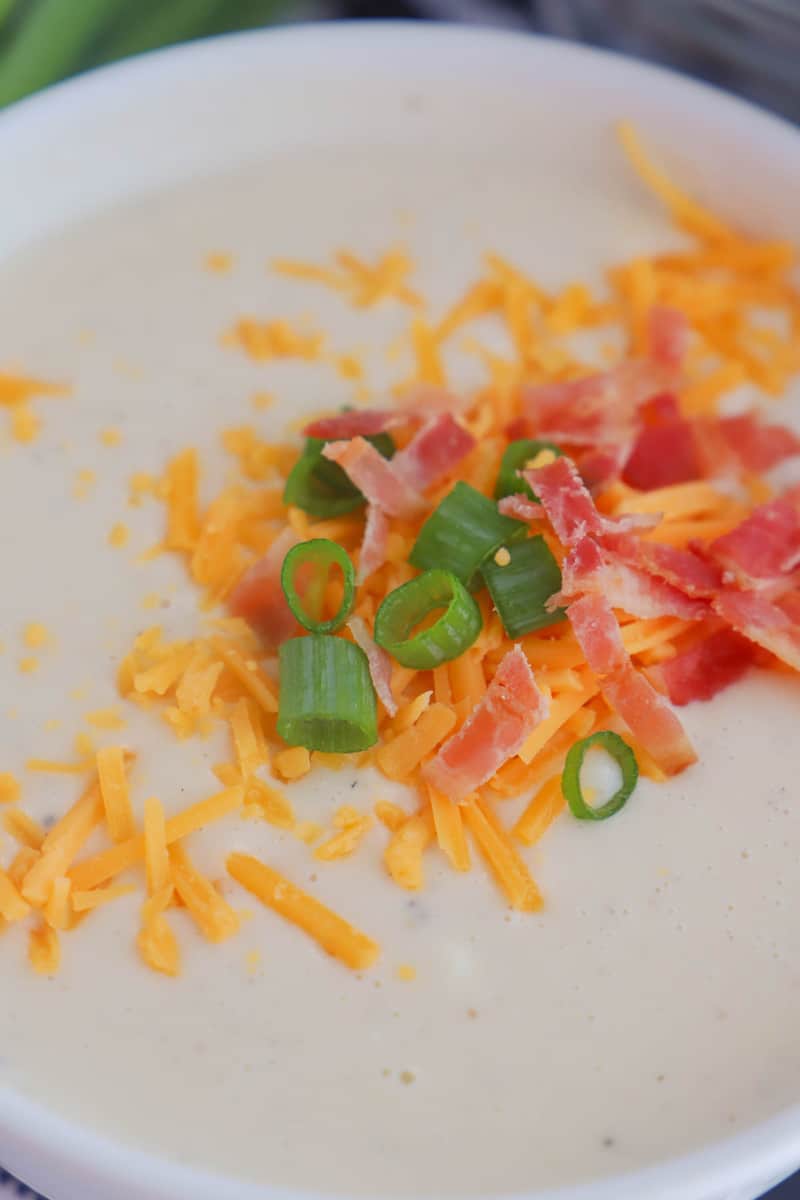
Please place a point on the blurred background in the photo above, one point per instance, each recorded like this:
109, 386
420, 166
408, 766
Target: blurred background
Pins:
751, 47
748, 46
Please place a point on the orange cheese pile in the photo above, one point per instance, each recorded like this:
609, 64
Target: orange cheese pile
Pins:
724, 281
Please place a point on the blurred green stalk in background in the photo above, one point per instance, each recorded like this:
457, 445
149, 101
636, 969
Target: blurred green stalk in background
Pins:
42, 41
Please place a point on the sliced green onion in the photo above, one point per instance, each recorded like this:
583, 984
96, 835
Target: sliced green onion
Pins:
407, 606
311, 562
622, 754
462, 532
320, 487
509, 482
327, 701
521, 588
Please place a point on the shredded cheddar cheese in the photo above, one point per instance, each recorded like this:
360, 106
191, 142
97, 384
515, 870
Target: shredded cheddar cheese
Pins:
105, 718
23, 828
156, 857
114, 789
44, 950
212, 914
36, 635
292, 764
220, 681
87, 901
330, 931
9, 788
347, 840
219, 262
119, 535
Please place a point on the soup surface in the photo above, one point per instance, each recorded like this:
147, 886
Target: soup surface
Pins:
650, 1008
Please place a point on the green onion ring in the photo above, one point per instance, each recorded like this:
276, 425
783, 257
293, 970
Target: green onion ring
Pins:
622, 754
405, 607
320, 554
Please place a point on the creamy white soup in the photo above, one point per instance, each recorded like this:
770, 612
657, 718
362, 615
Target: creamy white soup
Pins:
649, 1008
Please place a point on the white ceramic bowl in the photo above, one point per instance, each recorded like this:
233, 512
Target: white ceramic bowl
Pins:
173, 116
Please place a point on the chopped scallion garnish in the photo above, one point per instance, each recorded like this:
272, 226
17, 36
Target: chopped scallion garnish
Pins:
622, 754
320, 487
520, 582
305, 575
462, 533
407, 607
327, 701
515, 457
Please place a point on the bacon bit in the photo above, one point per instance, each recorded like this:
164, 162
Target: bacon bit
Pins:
684, 569
668, 336
646, 713
362, 422
424, 399
433, 453
566, 500
374, 544
664, 455
765, 546
259, 598
375, 477
570, 508
380, 665
592, 568
705, 669
520, 506
759, 447
762, 622
598, 410
495, 731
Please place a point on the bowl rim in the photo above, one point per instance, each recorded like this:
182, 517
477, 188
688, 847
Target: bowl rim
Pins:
767, 1150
